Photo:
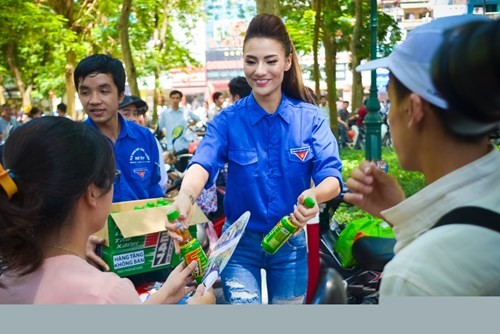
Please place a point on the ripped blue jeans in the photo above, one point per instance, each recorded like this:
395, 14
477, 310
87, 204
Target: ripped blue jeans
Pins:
286, 271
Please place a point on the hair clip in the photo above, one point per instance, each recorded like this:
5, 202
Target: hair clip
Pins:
7, 182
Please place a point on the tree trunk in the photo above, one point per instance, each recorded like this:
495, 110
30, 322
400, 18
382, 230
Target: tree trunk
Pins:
330, 44
317, 24
17, 75
66, 8
164, 25
357, 85
127, 52
2, 90
70, 86
27, 94
161, 33
331, 78
268, 6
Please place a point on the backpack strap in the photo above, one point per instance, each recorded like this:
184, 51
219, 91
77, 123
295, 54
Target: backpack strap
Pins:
471, 215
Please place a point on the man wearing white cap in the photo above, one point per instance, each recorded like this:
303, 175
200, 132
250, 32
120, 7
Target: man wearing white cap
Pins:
437, 76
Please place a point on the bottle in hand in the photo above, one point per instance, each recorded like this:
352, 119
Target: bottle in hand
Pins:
282, 231
190, 247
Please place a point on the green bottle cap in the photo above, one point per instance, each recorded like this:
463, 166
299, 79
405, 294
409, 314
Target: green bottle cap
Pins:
173, 215
150, 204
309, 202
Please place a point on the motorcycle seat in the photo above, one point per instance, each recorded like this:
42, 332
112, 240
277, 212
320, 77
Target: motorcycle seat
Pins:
373, 253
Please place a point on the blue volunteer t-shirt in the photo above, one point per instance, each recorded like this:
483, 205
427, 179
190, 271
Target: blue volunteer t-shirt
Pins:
137, 158
271, 158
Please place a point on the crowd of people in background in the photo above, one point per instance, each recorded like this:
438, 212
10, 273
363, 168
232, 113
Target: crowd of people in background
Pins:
12, 117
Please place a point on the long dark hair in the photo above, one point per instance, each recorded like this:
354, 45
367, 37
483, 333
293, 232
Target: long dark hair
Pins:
53, 160
271, 26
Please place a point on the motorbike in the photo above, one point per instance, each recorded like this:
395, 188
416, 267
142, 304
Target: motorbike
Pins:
177, 161
337, 284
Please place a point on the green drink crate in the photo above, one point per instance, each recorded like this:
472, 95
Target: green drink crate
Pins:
136, 240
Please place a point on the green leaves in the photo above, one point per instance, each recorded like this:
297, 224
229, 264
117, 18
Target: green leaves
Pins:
42, 33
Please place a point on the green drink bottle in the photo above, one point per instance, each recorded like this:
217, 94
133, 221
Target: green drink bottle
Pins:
191, 248
282, 231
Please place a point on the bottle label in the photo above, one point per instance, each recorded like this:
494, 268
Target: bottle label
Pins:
192, 251
278, 235
282, 231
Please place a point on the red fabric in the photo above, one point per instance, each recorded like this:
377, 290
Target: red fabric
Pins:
313, 260
218, 224
360, 121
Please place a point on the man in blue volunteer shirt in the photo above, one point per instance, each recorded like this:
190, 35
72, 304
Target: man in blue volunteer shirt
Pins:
100, 82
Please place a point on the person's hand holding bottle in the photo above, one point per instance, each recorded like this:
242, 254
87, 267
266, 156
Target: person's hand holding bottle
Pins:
184, 205
193, 182
302, 214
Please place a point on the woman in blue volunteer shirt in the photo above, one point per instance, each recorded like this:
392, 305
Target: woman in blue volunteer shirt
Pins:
275, 142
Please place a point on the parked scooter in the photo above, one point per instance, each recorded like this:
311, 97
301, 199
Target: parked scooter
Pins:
176, 163
353, 285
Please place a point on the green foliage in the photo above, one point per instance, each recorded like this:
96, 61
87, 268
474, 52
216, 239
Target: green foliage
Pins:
388, 32
411, 182
36, 34
42, 36
338, 21
147, 17
301, 30
299, 18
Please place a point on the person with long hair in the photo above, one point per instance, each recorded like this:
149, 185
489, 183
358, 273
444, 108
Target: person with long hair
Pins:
275, 141
444, 106
55, 192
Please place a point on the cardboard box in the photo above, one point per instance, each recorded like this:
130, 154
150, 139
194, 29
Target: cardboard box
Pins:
136, 240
